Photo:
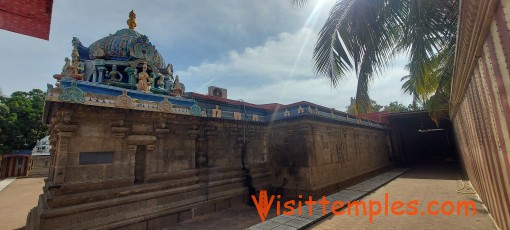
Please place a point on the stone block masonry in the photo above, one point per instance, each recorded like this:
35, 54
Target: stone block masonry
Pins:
126, 168
131, 149
112, 167
40, 166
305, 153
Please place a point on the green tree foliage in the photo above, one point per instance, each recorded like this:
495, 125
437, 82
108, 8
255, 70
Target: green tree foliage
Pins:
415, 107
366, 35
20, 120
374, 107
395, 107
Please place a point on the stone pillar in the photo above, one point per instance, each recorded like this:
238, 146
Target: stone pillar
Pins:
133, 141
129, 162
191, 143
210, 133
63, 147
201, 156
161, 134
119, 133
53, 153
101, 70
308, 137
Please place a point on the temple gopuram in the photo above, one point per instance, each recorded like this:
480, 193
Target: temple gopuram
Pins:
132, 149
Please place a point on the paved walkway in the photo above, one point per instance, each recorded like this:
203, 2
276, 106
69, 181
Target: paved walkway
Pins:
17, 199
355, 192
239, 217
5, 182
421, 185
425, 184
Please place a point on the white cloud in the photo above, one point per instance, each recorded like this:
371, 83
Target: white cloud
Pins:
275, 66
275, 59
281, 71
185, 32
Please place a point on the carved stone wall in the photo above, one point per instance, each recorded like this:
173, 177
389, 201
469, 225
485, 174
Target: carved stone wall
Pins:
146, 170
115, 168
315, 158
40, 166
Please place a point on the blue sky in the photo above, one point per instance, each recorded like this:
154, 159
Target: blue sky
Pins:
260, 51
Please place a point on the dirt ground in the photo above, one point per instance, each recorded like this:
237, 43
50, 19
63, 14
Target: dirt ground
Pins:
17, 199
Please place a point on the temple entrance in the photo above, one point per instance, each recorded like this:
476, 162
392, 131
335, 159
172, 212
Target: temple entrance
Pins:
141, 151
417, 140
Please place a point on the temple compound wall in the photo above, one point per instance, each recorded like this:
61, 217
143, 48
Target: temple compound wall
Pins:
113, 167
131, 149
40, 159
480, 101
310, 156
40, 166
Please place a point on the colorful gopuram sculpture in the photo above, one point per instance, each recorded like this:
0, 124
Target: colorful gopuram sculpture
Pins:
124, 59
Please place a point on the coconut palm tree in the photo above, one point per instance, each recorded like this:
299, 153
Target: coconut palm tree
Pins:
364, 36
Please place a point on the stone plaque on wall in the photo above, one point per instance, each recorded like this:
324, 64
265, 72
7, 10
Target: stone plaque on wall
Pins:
90, 158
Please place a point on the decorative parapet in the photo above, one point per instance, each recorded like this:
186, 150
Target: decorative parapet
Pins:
125, 71
94, 94
298, 111
283, 114
87, 93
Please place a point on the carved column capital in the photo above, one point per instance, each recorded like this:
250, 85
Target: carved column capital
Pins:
132, 149
119, 131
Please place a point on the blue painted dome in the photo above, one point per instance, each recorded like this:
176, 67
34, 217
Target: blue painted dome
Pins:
124, 45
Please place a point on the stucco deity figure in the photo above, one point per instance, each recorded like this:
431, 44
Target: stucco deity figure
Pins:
177, 88
114, 75
161, 82
73, 67
68, 69
78, 66
170, 70
144, 80
75, 57
168, 77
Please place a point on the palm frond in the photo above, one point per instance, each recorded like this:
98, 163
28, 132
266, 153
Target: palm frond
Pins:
359, 35
364, 35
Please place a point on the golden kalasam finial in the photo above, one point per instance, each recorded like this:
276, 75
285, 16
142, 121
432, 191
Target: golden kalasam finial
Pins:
132, 20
